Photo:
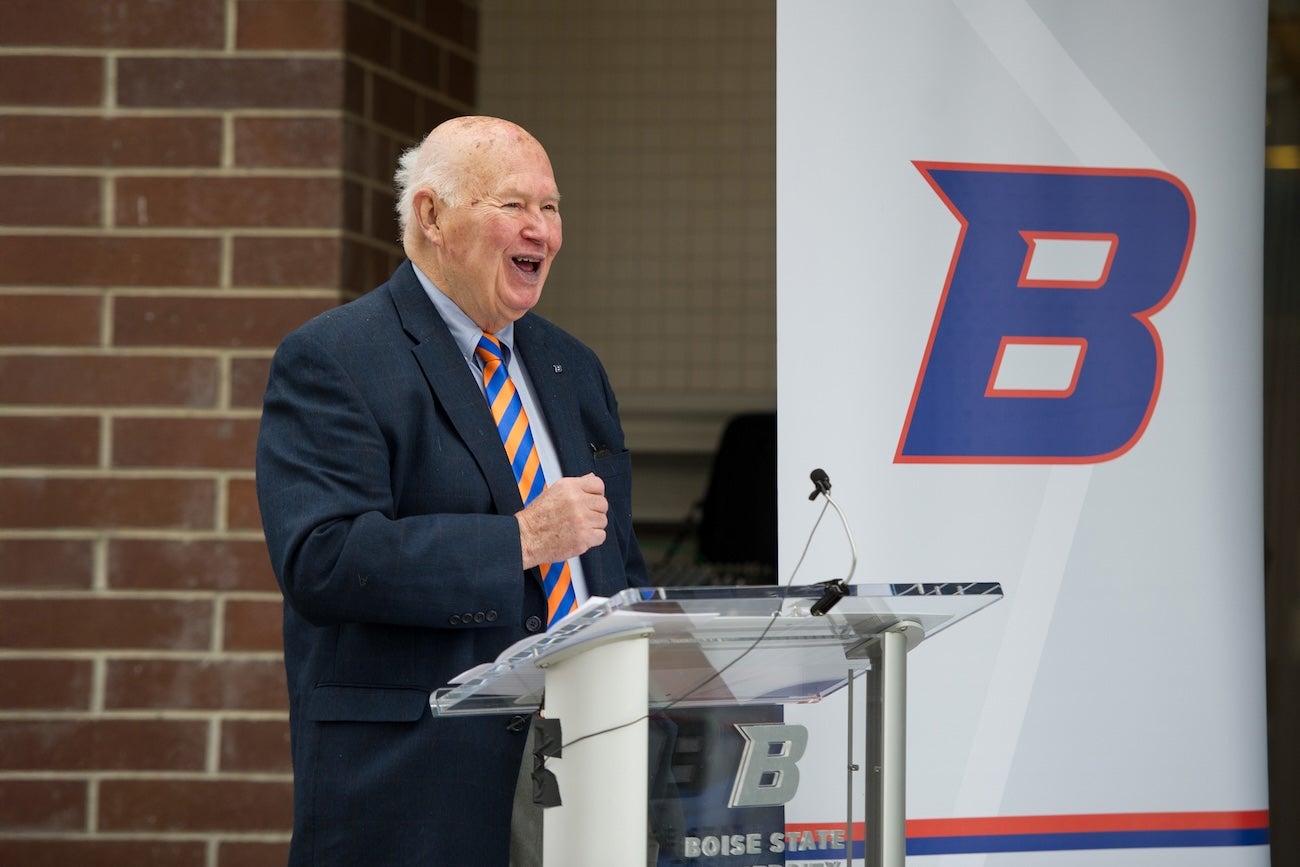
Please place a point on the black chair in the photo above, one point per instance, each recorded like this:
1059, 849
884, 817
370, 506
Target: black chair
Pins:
734, 525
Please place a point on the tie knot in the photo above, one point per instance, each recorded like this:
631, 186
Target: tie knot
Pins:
489, 349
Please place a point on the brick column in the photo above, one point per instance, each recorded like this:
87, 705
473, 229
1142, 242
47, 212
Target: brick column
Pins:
181, 183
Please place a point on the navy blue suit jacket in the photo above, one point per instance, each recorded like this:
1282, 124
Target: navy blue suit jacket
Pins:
387, 500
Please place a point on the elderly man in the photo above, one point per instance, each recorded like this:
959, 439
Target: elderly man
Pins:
441, 473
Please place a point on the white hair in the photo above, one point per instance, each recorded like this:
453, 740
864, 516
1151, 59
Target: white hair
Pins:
423, 167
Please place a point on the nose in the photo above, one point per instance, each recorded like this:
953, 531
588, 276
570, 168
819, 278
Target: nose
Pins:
536, 225
532, 223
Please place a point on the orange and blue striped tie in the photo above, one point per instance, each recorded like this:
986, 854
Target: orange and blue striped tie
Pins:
512, 424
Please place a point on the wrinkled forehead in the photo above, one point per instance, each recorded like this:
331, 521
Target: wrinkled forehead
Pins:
513, 163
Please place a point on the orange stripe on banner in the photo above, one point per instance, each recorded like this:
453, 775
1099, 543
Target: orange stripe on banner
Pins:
1098, 822
1065, 824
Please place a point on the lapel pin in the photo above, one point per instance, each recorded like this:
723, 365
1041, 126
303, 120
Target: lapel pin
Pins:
558, 368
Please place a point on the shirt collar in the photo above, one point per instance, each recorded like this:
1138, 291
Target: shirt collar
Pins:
463, 330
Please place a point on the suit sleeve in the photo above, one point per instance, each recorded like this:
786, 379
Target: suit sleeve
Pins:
340, 550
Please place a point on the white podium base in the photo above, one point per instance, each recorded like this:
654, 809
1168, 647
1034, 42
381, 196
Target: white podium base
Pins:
602, 819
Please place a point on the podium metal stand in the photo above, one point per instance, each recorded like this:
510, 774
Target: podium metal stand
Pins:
679, 647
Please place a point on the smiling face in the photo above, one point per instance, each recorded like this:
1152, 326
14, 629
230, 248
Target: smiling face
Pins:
491, 251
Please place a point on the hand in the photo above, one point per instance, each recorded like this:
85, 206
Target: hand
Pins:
565, 520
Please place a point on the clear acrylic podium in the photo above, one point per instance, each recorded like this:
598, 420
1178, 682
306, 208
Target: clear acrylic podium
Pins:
604, 666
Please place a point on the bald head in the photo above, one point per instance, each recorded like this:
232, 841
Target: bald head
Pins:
454, 159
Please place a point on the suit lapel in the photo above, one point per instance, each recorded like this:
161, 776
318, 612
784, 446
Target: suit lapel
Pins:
441, 362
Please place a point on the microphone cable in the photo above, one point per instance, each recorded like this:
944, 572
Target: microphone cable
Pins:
837, 589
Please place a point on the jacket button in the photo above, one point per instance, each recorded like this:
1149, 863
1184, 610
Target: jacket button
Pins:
491, 616
533, 623
479, 617
454, 619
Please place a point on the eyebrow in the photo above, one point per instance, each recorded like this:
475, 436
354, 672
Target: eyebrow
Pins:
516, 193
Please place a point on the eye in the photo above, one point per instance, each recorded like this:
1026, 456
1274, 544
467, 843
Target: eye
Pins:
515, 205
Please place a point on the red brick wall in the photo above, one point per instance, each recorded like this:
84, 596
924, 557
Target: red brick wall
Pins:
181, 183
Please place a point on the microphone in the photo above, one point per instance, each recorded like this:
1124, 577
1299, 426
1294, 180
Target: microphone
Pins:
832, 591
821, 483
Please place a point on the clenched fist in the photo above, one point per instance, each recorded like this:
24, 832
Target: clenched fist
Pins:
564, 521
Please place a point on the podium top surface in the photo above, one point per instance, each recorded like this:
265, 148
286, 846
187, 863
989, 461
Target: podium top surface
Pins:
714, 646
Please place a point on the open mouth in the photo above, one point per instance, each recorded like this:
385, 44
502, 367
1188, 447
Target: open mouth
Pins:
527, 264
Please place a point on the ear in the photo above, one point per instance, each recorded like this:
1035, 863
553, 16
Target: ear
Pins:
427, 212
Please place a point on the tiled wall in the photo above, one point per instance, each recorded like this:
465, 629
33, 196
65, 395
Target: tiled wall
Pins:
660, 119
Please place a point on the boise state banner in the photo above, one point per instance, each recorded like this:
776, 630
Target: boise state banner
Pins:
1018, 325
